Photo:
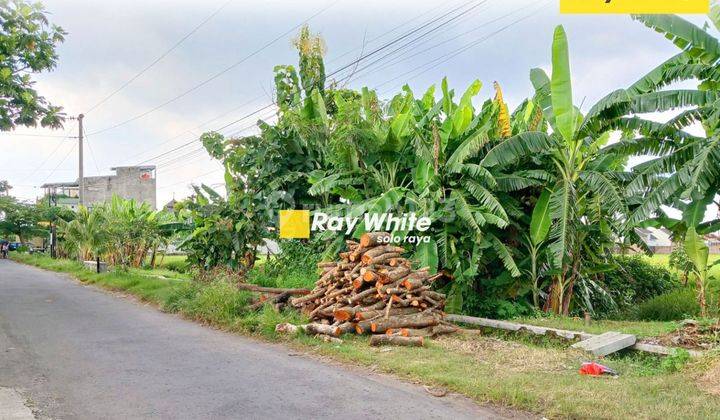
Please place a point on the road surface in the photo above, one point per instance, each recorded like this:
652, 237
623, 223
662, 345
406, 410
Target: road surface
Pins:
78, 352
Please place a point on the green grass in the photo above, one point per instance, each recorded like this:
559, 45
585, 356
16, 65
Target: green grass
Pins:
663, 259
539, 376
140, 283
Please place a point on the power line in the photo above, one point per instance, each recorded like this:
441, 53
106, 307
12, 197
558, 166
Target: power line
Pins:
396, 40
446, 57
195, 139
388, 32
92, 154
195, 177
195, 128
349, 65
218, 74
197, 152
404, 57
354, 62
431, 30
74, 146
157, 60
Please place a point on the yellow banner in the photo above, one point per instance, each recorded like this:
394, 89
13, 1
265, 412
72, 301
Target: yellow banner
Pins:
635, 6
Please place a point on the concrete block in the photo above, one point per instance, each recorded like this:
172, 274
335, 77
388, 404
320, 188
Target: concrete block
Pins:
92, 265
604, 344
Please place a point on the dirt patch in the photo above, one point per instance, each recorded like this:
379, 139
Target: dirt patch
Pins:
710, 381
512, 356
691, 335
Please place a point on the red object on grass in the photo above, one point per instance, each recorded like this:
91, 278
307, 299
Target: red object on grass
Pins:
595, 369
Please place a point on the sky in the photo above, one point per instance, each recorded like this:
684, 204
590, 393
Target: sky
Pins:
222, 71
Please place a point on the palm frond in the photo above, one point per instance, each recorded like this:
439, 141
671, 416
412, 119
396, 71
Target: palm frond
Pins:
518, 147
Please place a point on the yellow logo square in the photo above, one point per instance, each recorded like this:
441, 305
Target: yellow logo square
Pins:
294, 224
635, 6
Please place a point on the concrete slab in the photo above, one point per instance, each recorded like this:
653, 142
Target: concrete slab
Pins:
12, 406
604, 344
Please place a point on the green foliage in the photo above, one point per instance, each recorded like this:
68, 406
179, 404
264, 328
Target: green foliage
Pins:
633, 281
297, 255
680, 261
526, 207
218, 302
22, 219
180, 266
671, 306
28, 43
121, 231
223, 232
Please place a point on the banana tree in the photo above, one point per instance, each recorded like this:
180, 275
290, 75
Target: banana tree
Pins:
423, 156
685, 167
698, 253
585, 204
86, 235
539, 230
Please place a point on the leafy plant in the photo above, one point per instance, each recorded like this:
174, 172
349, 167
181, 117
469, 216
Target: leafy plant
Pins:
28, 43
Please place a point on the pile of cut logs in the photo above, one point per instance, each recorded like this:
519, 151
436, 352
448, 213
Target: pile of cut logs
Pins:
373, 289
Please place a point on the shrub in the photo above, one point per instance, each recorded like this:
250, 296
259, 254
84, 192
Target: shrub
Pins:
218, 302
674, 305
294, 266
634, 280
295, 255
179, 266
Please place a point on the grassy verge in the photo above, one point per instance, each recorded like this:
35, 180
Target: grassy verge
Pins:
539, 376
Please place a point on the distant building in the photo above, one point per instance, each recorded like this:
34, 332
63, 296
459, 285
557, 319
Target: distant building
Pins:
658, 240
713, 242
170, 206
129, 182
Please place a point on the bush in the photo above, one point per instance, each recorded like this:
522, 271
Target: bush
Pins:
218, 302
295, 266
179, 266
634, 280
675, 305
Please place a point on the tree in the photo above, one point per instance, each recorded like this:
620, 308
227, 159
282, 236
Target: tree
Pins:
27, 46
20, 219
5, 188
585, 204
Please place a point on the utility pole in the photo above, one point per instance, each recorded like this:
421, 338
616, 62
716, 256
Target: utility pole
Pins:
81, 181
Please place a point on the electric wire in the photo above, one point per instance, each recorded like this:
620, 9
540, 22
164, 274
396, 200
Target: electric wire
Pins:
158, 59
216, 75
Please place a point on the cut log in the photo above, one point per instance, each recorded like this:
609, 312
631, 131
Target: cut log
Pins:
398, 273
374, 238
395, 311
322, 329
346, 327
399, 262
277, 290
277, 299
344, 314
369, 256
362, 295
408, 321
384, 257
326, 264
286, 327
307, 298
382, 339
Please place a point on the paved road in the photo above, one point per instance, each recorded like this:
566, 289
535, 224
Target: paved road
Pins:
78, 352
